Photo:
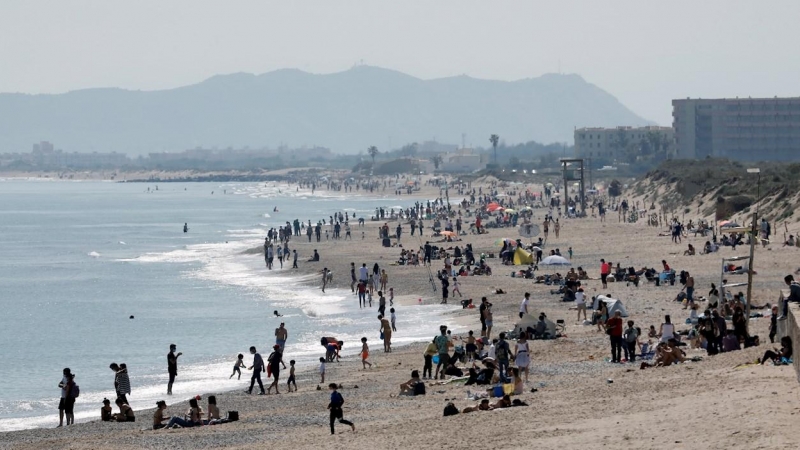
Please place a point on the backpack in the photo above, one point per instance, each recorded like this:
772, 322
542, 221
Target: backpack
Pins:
75, 391
501, 353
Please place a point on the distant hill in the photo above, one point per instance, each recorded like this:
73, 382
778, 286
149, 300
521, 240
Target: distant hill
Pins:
346, 111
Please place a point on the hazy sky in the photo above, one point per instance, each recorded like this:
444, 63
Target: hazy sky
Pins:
644, 52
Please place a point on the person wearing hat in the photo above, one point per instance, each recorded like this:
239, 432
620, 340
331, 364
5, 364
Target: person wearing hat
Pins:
275, 361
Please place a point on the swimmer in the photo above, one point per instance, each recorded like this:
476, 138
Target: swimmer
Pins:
276, 313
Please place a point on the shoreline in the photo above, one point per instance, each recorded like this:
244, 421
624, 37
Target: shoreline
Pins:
574, 405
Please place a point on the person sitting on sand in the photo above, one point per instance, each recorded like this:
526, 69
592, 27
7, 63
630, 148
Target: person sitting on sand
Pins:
582, 275
690, 251
158, 415
125, 413
789, 242
482, 406
481, 377
414, 386
775, 355
195, 414
106, 413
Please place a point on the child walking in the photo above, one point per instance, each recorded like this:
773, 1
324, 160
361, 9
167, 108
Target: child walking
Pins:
456, 288
391, 296
393, 318
322, 370
237, 366
291, 381
335, 406
365, 353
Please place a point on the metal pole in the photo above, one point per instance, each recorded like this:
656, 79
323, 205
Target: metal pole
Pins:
753, 235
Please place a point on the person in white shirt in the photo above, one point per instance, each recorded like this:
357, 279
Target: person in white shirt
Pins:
523, 307
363, 273
580, 303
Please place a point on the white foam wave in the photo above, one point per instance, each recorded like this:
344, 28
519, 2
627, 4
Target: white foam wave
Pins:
94, 254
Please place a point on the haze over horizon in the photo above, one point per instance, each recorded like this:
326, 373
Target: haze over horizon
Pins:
643, 54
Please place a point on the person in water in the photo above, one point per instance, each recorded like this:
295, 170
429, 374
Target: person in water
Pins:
185, 227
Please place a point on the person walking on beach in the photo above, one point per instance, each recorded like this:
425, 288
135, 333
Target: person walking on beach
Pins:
294, 261
615, 330
502, 352
62, 404
335, 407
172, 366
353, 280
257, 368
281, 335
365, 354
324, 278
386, 332
445, 287
237, 367
362, 294
523, 307
605, 269
384, 280
280, 256
275, 361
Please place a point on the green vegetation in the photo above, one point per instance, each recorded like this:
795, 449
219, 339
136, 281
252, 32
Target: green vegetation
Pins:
734, 188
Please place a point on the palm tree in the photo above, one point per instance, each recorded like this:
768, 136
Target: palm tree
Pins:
494, 139
437, 161
373, 152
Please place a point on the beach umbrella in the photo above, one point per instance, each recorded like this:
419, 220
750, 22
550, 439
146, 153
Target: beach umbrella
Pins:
493, 207
500, 242
555, 260
511, 211
526, 208
549, 184
536, 249
728, 224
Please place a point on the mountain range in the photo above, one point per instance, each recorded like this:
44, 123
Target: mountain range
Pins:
345, 111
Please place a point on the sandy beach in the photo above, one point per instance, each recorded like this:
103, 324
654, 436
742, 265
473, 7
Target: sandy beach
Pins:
582, 401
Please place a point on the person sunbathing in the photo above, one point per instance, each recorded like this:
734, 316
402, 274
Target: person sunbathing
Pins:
482, 406
504, 402
690, 251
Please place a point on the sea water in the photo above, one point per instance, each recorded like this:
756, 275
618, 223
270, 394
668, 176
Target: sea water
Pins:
77, 259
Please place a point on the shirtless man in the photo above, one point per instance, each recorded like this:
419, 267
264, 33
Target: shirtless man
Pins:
281, 335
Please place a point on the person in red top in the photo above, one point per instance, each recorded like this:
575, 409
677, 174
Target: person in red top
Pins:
614, 330
666, 266
478, 225
605, 269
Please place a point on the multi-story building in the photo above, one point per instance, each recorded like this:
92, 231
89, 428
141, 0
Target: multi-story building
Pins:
621, 142
748, 129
